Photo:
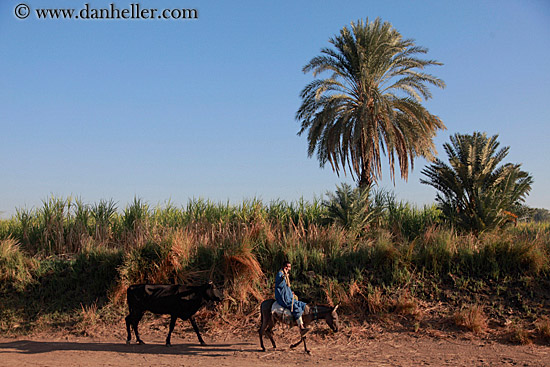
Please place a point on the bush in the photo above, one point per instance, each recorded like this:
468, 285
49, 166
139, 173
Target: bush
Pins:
15, 267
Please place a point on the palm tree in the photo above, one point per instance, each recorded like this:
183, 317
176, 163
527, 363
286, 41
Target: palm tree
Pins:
474, 192
352, 208
371, 104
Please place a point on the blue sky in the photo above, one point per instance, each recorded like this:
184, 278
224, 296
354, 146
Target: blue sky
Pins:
175, 109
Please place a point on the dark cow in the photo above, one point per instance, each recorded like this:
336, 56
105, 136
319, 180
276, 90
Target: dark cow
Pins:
178, 301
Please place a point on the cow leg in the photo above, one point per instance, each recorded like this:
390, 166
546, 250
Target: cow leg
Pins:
172, 325
196, 328
137, 319
128, 322
132, 321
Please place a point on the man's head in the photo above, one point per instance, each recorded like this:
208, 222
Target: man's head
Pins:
286, 266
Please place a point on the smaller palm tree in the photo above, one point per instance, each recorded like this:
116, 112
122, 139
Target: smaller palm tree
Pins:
475, 193
351, 208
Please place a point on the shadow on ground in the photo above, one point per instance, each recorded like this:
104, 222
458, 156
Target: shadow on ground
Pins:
212, 350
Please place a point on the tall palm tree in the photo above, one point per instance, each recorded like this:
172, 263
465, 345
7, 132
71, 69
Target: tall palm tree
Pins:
371, 104
474, 192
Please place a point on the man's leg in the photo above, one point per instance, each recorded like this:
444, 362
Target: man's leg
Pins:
303, 329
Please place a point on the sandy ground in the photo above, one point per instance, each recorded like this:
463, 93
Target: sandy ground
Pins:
342, 349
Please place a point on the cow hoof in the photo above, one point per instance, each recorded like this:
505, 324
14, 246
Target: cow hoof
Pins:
140, 342
127, 342
168, 345
263, 349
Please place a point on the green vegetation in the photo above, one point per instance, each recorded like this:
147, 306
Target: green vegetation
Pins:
388, 262
475, 193
353, 209
370, 105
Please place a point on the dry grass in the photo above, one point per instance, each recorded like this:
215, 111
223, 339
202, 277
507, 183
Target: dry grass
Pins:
520, 335
15, 267
472, 318
89, 320
407, 305
376, 301
543, 328
356, 300
245, 274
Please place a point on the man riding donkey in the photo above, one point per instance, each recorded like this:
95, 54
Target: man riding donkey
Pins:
286, 298
271, 311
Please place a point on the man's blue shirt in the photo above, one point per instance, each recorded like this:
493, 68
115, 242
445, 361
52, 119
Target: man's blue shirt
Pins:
284, 295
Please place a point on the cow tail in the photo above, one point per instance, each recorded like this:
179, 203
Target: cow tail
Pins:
261, 316
128, 301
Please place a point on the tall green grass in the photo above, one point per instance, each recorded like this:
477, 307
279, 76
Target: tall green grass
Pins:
91, 253
407, 222
404, 237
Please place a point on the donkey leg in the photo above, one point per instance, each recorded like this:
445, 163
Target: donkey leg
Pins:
302, 339
305, 346
261, 332
298, 343
269, 333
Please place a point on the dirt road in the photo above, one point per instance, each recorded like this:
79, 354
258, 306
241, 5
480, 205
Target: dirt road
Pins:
384, 349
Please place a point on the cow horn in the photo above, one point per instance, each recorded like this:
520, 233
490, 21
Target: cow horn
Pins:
335, 308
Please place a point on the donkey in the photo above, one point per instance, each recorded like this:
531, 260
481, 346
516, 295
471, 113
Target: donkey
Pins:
310, 314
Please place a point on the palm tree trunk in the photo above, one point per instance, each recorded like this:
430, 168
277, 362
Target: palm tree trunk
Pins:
365, 180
